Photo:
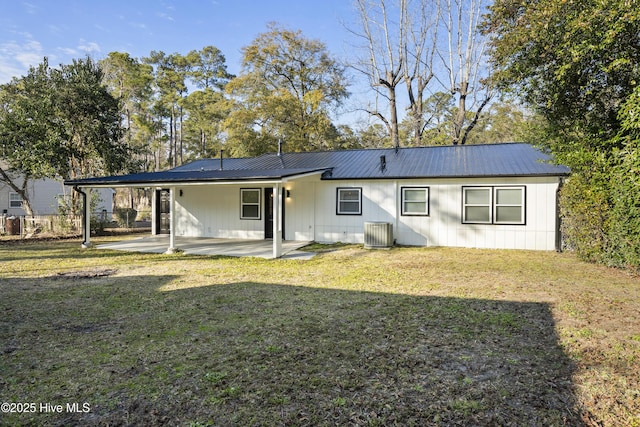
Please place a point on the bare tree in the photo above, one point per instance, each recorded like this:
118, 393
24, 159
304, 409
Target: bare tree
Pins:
419, 48
430, 45
465, 64
385, 55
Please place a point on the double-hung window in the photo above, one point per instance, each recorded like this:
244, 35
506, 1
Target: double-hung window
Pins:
493, 205
349, 201
250, 203
509, 205
415, 201
15, 201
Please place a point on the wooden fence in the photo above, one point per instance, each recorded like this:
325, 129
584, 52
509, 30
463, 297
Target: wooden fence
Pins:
58, 225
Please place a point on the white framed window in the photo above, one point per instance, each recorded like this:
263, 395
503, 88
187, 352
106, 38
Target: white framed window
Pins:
415, 201
509, 205
493, 205
349, 201
250, 203
15, 201
476, 205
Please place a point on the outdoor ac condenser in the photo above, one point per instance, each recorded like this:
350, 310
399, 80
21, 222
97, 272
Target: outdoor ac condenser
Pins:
378, 235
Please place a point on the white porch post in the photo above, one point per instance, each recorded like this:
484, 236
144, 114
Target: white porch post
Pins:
277, 220
172, 221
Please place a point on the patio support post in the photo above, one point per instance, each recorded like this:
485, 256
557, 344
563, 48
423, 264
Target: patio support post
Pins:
172, 221
277, 220
86, 218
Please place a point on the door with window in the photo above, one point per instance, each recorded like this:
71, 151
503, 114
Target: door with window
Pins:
163, 212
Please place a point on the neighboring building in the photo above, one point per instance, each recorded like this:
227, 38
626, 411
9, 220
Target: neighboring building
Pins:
483, 196
44, 195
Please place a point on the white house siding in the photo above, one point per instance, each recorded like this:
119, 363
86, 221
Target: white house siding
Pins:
300, 209
443, 227
214, 211
44, 194
310, 213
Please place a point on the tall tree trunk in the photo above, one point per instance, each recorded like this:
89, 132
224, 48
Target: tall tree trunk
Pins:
459, 119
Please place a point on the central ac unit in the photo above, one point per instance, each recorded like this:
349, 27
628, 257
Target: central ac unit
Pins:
378, 235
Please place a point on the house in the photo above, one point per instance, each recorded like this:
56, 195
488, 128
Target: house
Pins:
45, 195
483, 196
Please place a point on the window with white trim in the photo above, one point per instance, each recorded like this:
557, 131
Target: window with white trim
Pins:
493, 205
250, 203
476, 207
349, 201
15, 201
415, 201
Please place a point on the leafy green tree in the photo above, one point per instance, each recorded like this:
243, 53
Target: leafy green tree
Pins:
131, 82
208, 68
170, 80
26, 129
206, 107
288, 87
206, 110
60, 123
577, 63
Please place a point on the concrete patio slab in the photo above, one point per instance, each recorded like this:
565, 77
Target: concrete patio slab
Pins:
211, 246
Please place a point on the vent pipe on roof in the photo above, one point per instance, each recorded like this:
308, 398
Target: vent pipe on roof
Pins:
383, 163
221, 153
279, 147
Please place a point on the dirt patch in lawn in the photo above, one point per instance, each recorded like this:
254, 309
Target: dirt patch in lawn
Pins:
86, 274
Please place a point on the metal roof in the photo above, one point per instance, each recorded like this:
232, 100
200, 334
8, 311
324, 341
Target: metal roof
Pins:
490, 160
191, 177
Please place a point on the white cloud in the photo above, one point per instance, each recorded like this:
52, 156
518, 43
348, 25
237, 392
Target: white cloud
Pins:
17, 56
165, 16
88, 47
30, 8
68, 50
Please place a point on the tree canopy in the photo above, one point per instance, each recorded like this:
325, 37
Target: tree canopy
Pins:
577, 63
59, 123
286, 92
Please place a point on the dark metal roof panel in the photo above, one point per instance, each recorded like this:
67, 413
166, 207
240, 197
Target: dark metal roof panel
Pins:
213, 164
426, 162
491, 160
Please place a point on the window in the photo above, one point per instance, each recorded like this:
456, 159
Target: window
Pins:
15, 201
349, 201
493, 205
249, 203
509, 206
415, 201
477, 204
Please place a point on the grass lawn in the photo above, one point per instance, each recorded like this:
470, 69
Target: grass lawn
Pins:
410, 336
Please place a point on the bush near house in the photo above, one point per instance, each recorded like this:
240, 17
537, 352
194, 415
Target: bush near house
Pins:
126, 217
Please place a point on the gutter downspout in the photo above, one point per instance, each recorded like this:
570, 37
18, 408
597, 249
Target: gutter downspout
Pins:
85, 228
558, 218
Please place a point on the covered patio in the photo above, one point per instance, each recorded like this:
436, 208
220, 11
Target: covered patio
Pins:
212, 246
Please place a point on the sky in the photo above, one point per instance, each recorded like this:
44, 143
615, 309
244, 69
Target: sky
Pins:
66, 29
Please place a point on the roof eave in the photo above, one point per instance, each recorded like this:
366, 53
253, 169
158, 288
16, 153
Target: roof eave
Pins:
119, 183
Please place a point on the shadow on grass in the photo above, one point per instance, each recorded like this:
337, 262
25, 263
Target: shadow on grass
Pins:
266, 354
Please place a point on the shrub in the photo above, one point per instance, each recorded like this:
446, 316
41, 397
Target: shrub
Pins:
126, 217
